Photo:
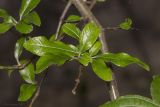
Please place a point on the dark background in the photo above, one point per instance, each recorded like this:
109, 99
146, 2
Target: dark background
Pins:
56, 91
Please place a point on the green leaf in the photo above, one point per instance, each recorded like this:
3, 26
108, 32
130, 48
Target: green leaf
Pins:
122, 60
85, 59
126, 25
48, 60
71, 30
19, 48
6, 17
155, 89
3, 13
102, 70
26, 92
28, 74
73, 18
32, 18
88, 36
131, 101
42, 47
52, 38
4, 27
24, 28
95, 49
9, 20
7, 23
27, 6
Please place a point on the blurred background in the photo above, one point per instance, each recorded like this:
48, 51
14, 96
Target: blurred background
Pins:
56, 90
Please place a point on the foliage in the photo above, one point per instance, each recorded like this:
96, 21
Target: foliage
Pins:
55, 52
26, 18
126, 25
26, 92
155, 89
85, 51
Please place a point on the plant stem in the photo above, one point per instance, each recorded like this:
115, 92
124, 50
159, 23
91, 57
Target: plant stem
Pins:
85, 11
18, 67
62, 18
78, 79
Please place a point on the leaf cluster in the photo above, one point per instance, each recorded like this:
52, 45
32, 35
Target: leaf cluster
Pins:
27, 18
24, 25
55, 52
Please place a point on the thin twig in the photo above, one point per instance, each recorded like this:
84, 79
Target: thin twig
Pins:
38, 89
62, 18
118, 28
18, 67
77, 80
111, 28
85, 11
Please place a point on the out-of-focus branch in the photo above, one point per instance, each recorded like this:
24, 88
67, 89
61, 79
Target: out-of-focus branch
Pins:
92, 4
85, 11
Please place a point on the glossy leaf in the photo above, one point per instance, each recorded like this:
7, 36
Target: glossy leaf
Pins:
73, 18
95, 49
85, 59
122, 60
28, 74
27, 6
102, 70
32, 18
26, 92
71, 30
24, 28
42, 47
88, 36
155, 89
45, 61
126, 25
19, 48
131, 101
